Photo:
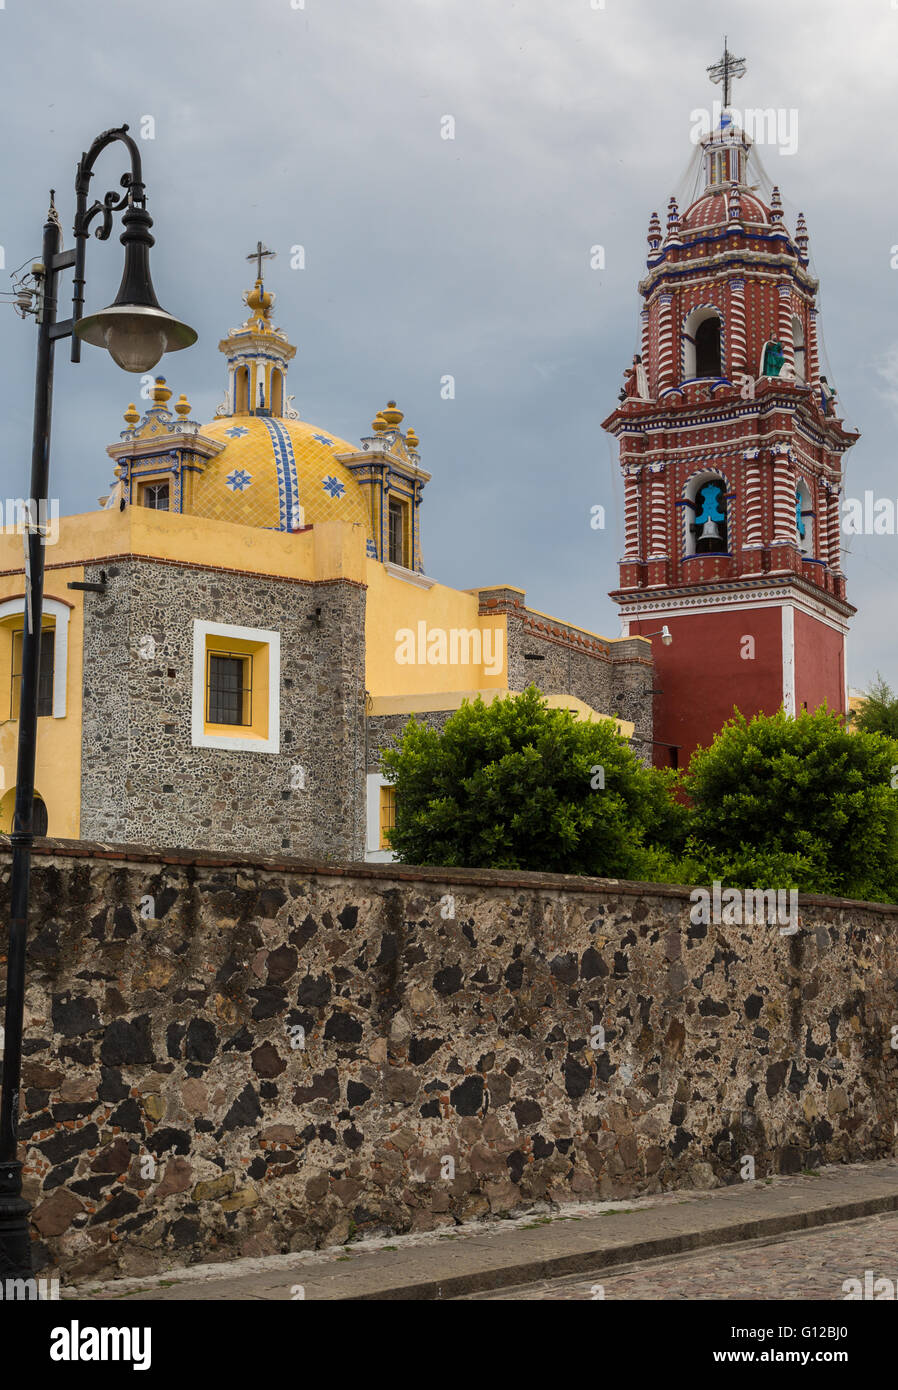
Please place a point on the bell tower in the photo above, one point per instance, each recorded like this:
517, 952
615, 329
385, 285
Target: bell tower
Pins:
731, 452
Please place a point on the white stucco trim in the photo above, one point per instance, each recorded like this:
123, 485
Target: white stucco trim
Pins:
61, 612
373, 853
788, 658
227, 742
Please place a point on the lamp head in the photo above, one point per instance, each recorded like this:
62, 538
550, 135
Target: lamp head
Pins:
135, 329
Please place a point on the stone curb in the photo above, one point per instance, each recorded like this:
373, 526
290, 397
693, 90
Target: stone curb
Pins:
595, 1261
523, 1254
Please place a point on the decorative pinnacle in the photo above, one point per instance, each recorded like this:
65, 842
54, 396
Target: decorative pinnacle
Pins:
776, 204
411, 438
182, 406
161, 393
131, 416
654, 232
379, 424
392, 415
735, 204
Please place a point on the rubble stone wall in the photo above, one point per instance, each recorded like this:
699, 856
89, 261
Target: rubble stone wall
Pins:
246, 1056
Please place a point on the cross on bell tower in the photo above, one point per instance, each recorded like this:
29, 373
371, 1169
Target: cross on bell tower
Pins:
725, 71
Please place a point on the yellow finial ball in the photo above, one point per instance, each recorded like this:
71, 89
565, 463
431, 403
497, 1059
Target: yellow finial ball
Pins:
259, 301
392, 416
182, 406
161, 393
132, 415
411, 438
379, 424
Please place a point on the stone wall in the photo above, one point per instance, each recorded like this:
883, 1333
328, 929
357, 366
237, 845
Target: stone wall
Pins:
450, 1065
612, 677
142, 779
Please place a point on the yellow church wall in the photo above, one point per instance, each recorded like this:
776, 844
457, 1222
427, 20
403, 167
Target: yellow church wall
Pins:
58, 764
454, 699
397, 605
329, 550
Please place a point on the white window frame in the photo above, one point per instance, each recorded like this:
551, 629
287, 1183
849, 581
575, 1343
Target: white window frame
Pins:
53, 608
373, 852
227, 742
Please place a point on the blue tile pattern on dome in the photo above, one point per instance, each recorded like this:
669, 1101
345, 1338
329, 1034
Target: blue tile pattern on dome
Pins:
238, 480
333, 487
323, 439
288, 488
237, 432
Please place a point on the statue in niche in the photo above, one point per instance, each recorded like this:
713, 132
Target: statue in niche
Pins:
774, 358
635, 380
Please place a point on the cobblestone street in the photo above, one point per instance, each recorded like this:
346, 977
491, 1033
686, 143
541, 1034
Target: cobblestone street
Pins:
811, 1265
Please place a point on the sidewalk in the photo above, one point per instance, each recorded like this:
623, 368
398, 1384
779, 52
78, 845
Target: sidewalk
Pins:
582, 1239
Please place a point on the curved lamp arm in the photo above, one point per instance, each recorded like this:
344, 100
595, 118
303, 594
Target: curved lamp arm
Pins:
134, 193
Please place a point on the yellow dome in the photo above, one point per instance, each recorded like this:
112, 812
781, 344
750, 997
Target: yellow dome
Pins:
278, 474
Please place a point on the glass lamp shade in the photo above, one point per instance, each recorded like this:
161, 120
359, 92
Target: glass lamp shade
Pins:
135, 335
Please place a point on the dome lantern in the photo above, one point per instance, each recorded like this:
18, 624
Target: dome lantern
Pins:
258, 354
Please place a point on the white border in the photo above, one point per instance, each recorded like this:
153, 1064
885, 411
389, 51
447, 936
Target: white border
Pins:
373, 853
198, 736
789, 659
61, 612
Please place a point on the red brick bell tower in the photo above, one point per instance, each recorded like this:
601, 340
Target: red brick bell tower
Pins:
731, 454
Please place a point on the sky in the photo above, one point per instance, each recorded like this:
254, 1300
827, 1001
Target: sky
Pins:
321, 124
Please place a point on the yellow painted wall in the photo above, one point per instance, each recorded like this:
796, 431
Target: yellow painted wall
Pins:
58, 769
395, 604
330, 550
443, 700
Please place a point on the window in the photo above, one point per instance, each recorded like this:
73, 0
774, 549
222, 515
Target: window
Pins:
154, 496
798, 348
397, 533
241, 391
387, 814
804, 518
707, 348
230, 689
702, 339
277, 393
235, 701
39, 820
45, 675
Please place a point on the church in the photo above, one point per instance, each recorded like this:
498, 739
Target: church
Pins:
233, 638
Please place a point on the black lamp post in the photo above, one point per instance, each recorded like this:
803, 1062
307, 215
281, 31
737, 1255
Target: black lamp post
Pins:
136, 332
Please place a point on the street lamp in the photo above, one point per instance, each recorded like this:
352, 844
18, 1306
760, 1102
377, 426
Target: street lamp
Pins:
136, 331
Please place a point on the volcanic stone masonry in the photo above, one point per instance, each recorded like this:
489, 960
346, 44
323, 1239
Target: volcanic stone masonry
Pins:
241, 1056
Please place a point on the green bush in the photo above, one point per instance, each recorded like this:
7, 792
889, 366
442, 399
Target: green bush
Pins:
514, 785
781, 802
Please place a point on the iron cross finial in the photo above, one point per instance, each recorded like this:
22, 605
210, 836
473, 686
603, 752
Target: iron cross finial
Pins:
260, 254
725, 71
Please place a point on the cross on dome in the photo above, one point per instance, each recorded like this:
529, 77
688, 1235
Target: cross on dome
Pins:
260, 254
